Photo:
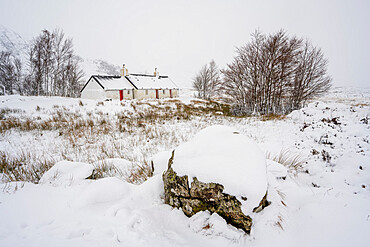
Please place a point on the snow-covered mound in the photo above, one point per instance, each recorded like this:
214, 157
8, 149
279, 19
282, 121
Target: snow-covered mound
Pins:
276, 169
66, 171
105, 190
221, 155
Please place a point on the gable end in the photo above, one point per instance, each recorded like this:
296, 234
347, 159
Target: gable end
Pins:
92, 77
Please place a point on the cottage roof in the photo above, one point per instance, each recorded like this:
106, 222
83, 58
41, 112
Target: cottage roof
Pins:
133, 81
151, 82
113, 82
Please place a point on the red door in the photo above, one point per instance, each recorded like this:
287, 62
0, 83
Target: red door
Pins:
170, 93
120, 95
157, 94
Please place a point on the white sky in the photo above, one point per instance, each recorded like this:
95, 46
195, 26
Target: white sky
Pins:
179, 37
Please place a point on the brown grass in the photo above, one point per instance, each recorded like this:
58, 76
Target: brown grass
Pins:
272, 117
141, 173
105, 169
173, 101
206, 227
79, 134
294, 163
279, 222
24, 166
361, 105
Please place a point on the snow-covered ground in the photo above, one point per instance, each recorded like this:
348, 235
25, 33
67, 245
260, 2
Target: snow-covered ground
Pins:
324, 200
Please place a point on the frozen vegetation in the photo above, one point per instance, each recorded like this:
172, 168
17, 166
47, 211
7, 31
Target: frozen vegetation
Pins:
317, 169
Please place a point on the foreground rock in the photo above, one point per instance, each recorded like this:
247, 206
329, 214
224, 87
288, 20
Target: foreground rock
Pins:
201, 197
220, 156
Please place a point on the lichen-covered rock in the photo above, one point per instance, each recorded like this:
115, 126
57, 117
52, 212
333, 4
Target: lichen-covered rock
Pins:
220, 154
220, 170
201, 197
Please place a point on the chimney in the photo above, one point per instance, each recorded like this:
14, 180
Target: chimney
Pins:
155, 72
123, 70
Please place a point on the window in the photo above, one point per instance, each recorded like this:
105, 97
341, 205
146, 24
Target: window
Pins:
146, 92
164, 91
128, 91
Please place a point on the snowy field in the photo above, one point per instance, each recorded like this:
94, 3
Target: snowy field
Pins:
324, 199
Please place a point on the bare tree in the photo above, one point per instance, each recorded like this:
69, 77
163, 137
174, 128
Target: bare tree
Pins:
274, 74
11, 72
53, 66
207, 81
310, 78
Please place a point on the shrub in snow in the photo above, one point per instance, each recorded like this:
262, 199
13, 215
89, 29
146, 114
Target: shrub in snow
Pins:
228, 174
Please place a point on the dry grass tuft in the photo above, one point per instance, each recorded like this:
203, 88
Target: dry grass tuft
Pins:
293, 162
105, 169
24, 166
361, 105
141, 173
173, 101
272, 117
6, 111
279, 223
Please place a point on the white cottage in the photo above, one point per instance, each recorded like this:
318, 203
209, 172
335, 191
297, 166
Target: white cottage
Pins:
129, 86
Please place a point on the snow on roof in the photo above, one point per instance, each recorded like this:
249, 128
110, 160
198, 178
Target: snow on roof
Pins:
150, 82
221, 155
113, 82
134, 81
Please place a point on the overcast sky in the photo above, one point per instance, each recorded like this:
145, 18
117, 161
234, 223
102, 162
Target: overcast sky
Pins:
179, 37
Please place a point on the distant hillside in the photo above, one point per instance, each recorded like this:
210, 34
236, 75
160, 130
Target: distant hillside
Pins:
12, 41
98, 67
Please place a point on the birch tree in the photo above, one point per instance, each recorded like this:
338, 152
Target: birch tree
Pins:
207, 81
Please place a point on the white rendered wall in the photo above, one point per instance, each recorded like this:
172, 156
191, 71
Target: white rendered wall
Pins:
141, 94
112, 94
128, 93
93, 91
175, 93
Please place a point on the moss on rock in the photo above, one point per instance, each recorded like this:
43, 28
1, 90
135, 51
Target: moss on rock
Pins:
201, 197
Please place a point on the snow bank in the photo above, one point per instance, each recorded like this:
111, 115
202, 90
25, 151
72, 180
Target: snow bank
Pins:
276, 169
67, 172
160, 161
102, 191
213, 225
220, 154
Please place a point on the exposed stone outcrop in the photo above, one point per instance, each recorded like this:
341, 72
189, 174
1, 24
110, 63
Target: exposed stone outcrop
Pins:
264, 203
203, 196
